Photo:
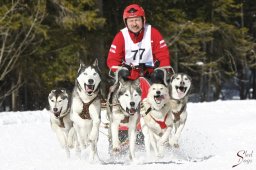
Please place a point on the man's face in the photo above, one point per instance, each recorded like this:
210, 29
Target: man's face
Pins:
135, 24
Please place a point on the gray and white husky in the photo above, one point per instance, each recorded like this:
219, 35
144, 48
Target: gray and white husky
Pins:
179, 88
86, 107
156, 121
123, 108
59, 102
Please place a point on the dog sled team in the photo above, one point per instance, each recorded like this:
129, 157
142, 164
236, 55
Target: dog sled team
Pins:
146, 96
161, 115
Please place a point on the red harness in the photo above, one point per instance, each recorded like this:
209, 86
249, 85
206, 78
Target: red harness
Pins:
162, 124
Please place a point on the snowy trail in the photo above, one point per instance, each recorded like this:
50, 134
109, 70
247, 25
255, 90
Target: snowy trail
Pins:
215, 132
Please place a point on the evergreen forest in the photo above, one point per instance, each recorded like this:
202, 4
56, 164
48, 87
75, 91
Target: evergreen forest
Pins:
42, 43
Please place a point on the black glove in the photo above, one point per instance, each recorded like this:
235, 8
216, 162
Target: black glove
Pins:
157, 76
124, 73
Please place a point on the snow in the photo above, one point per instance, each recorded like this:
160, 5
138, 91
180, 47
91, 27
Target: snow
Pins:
217, 136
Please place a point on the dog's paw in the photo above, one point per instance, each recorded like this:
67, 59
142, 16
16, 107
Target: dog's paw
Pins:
92, 137
160, 143
174, 143
84, 146
116, 149
91, 141
160, 155
70, 144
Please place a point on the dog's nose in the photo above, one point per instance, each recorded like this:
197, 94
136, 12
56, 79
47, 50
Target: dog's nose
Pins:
132, 104
182, 83
55, 109
158, 92
90, 81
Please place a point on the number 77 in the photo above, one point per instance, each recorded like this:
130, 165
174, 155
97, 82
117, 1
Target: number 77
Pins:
141, 51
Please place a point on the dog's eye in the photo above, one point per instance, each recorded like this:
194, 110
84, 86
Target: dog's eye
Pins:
126, 94
135, 94
85, 74
60, 101
52, 100
94, 74
154, 88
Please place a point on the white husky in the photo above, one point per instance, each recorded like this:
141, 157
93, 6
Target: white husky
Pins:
179, 89
86, 107
60, 119
123, 109
157, 120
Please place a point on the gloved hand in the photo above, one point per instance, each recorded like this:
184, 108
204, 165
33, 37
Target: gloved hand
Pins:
157, 76
124, 73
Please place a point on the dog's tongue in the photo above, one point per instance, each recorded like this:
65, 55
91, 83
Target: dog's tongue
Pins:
89, 88
132, 110
180, 93
159, 98
56, 114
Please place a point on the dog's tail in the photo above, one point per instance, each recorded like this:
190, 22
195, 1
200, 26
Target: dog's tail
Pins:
72, 138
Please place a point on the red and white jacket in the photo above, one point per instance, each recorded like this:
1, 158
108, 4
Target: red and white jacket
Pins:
119, 53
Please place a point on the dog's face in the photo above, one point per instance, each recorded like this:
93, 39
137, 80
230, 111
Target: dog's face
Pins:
88, 78
158, 96
58, 101
129, 96
180, 85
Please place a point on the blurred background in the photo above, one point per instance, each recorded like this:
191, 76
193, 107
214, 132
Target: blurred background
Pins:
43, 41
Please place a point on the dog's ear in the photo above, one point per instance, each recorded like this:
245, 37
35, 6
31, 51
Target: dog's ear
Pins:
121, 81
189, 78
95, 63
137, 82
65, 93
81, 65
173, 77
136, 85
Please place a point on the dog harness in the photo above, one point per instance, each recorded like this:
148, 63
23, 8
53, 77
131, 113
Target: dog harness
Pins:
62, 125
177, 114
125, 120
162, 124
85, 112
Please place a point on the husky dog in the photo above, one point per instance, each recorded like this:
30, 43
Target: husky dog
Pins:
60, 118
156, 121
86, 107
179, 88
123, 109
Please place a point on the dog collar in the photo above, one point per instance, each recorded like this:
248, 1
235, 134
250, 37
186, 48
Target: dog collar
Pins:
149, 110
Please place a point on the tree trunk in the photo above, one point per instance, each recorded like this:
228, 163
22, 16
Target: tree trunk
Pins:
14, 97
254, 83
